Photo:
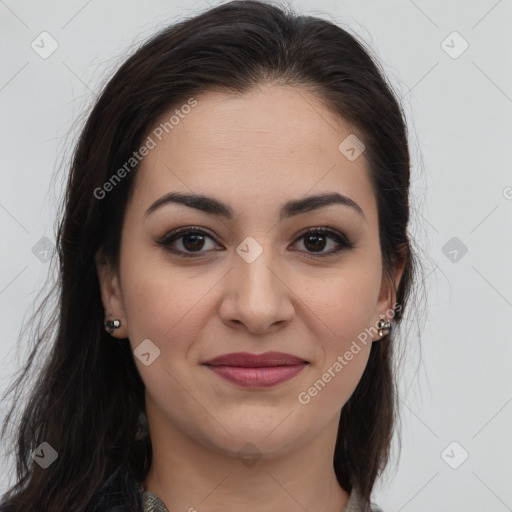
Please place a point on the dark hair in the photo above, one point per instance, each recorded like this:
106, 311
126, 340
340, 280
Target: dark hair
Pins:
89, 400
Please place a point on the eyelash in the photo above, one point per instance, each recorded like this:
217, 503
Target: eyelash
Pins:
172, 236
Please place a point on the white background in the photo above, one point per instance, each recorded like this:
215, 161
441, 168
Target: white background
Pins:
459, 115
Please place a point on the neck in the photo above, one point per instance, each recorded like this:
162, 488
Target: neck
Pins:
188, 476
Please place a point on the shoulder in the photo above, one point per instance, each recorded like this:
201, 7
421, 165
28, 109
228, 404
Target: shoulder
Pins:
123, 496
5, 508
100, 508
356, 504
374, 507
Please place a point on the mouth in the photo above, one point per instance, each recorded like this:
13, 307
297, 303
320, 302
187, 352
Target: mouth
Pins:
257, 370
247, 360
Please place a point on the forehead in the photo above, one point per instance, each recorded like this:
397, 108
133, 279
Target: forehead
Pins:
271, 143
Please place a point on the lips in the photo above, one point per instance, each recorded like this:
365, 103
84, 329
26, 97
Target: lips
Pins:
246, 360
256, 370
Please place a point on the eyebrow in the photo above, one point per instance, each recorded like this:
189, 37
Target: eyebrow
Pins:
291, 208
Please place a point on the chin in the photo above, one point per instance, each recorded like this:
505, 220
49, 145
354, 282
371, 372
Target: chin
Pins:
263, 442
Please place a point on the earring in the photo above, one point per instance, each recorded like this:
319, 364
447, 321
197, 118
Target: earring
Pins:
384, 326
112, 325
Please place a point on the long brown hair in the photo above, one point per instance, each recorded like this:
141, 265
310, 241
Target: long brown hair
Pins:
89, 400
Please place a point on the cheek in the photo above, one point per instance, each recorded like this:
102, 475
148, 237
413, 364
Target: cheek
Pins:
160, 303
343, 312
342, 307
343, 304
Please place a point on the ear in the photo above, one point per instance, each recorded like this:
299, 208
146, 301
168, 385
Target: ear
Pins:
110, 294
387, 296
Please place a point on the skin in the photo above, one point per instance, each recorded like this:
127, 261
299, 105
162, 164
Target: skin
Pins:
254, 152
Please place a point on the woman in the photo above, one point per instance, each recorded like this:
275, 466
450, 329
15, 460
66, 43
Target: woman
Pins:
234, 263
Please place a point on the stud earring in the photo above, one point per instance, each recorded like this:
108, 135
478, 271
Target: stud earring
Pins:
112, 325
384, 327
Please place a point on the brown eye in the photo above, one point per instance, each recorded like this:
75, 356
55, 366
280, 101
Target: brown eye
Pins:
187, 240
316, 240
192, 241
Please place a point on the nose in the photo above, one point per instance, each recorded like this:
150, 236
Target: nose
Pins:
257, 297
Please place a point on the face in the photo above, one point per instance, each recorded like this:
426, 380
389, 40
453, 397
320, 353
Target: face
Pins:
246, 276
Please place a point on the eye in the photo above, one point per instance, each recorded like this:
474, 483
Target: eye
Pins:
315, 240
192, 239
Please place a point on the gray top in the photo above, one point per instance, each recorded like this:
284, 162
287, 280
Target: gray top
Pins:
353, 503
152, 503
